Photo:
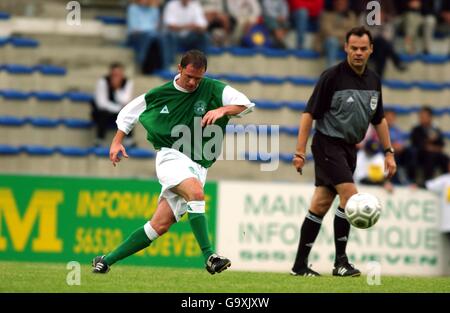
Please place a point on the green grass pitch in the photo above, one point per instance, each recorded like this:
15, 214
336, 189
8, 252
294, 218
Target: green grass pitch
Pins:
51, 277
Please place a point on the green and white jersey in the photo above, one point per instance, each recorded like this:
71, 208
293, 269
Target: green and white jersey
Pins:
172, 117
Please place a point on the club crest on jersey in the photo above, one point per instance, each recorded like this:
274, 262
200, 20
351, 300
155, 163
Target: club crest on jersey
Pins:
199, 108
373, 102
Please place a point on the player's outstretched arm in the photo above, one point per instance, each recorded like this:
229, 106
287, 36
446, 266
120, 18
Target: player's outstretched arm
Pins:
117, 148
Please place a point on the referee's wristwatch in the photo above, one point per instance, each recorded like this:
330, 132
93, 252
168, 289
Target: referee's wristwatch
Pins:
389, 150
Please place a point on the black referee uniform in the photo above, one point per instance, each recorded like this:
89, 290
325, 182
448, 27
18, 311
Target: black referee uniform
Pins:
343, 104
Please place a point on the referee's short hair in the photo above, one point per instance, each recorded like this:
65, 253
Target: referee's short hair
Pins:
359, 31
194, 57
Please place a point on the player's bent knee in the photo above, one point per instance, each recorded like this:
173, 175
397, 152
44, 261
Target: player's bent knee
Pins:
197, 195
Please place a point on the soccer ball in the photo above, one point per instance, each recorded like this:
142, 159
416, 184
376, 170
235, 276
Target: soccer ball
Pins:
363, 210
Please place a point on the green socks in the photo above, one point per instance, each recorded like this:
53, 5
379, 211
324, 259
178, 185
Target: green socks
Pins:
134, 243
199, 227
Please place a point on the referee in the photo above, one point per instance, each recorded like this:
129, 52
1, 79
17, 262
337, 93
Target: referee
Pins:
345, 100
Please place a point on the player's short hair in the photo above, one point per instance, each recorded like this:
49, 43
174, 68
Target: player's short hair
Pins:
115, 65
194, 57
427, 108
359, 31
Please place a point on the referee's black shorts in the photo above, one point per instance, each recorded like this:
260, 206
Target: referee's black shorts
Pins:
334, 160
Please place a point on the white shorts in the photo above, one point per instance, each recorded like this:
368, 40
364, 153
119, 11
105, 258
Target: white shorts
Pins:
172, 167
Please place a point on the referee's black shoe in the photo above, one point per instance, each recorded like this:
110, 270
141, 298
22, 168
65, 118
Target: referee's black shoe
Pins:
343, 268
308, 272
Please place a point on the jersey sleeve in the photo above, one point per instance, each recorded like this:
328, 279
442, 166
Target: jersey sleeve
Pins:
320, 100
129, 115
379, 113
435, 185
231, 96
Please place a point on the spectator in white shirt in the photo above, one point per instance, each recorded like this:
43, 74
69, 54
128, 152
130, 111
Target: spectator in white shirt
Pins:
112, 93
185, 27
441, 186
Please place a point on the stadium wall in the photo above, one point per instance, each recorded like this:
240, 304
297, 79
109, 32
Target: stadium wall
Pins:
258, 228
62, 219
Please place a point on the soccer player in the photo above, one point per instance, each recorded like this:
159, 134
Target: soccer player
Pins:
186, 104
345, 100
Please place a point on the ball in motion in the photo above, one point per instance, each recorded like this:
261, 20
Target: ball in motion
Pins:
363, 210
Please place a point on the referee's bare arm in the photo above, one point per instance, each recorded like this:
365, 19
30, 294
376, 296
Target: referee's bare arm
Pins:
299, 158
389, 160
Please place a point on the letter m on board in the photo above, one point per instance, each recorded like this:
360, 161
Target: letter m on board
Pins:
42, 210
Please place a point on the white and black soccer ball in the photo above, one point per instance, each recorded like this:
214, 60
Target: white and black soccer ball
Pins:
363, 210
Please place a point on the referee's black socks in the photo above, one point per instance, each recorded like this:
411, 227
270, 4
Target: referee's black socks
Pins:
341, 231
308, 233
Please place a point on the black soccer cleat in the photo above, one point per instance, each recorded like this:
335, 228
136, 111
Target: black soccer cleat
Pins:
99, 265
217, 264
307, 272
344, 269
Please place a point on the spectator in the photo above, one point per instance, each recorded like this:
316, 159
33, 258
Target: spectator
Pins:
276, 15
219, 25
419, 14
383, 39
333, 27
443, 25
304, 12
244, 14
143, 18
112, 93
184, 28
441, 186
428, 144
370, 164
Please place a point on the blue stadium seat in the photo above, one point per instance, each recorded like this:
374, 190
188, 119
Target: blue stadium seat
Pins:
274, 53
303, 81
141, 153
289, 130
76, 96
101, 152
409, 57
3, 41
305, 54
9, 150
165, 74
111, 20
12, 94
401, 109
73, 151
77, 123
44, 122
214, 76
38, 150
18, 69
242, 52
428, 85
397, 84
215, 51
51, 70
236, 78
434, 58
12, 121
295, 105
21, 42
47, 96
269, 80
258, 157
446, 135
268, 105
4, 15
